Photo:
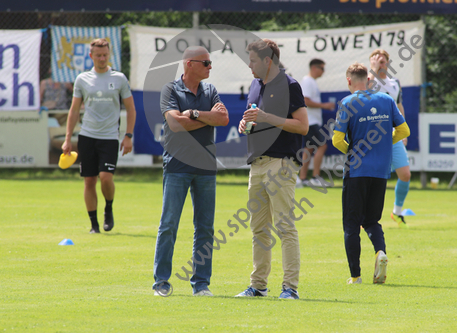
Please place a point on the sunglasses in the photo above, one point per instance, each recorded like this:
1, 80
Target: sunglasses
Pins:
205, 63
321, 67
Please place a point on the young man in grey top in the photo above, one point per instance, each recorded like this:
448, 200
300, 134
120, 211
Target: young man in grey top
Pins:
100, 89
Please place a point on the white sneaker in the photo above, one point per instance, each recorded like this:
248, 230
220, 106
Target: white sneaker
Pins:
380, 268
298, 183
204, 292
357, 280
316, 182
319, 182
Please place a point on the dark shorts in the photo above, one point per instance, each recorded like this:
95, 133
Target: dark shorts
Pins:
97, 155
314, 136
363, 201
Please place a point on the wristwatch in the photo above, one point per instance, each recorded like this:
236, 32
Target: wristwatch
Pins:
194, 114
129, 135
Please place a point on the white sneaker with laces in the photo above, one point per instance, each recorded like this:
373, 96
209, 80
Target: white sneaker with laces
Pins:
315, 182
357, 280
318, 181
380, 268
204, 292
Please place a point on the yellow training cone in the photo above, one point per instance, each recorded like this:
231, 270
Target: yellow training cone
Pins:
67, 161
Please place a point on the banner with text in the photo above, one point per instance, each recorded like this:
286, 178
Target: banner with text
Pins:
24, 139
230, 74
71, 48
438, 141
20, 70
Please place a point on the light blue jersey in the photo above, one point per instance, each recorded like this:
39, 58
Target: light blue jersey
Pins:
368, 120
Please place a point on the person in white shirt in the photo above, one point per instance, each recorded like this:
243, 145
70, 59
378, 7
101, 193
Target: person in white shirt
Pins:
314, 139
390, 85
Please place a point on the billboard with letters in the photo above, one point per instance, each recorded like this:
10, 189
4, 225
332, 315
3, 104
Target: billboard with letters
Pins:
231, 76
20, 70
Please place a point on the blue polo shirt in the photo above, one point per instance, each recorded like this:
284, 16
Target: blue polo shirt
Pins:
281, 97
184, 151
368, 120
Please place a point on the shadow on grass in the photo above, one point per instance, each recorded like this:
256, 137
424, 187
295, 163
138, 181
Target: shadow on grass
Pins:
112, 234
417, 286
265, 299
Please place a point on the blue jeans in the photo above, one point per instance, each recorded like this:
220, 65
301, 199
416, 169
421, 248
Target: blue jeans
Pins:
203, 193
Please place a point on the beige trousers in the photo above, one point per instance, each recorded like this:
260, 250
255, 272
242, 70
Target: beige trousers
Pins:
271, 190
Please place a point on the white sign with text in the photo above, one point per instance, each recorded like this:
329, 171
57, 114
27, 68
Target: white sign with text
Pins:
20, 70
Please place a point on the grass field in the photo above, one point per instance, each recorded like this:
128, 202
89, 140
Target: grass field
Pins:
103, 282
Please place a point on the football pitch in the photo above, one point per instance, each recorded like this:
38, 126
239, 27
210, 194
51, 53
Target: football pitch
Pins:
103, 282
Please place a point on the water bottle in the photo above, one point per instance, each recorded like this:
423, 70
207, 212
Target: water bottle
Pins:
249, 123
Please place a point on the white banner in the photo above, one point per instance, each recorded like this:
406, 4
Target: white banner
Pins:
20, 70
438, 143
339, 48
24, 139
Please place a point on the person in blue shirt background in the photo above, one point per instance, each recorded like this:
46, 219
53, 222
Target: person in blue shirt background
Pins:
366, 119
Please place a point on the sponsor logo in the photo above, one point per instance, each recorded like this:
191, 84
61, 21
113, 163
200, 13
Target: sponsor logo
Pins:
373, 111
99, 98
110, 166
111, 86
379, 117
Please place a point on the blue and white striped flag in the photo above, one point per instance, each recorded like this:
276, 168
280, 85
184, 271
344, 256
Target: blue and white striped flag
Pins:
71, 46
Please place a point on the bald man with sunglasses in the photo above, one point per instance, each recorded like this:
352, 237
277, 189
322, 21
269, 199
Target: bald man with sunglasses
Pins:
191, 109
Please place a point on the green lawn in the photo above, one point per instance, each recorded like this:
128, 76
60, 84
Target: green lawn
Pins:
103, 282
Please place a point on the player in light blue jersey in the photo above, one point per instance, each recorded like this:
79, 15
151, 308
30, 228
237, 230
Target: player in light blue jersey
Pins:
101, 90
379, 60
364, 131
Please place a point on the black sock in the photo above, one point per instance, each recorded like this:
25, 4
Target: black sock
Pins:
93, 219
109, 206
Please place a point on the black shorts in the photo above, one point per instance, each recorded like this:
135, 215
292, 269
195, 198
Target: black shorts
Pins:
97, 155
363, 201
319, 138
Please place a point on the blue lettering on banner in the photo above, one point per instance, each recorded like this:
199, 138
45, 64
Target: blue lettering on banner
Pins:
15, 49
2, 101
436, 139
28, 86
16, 87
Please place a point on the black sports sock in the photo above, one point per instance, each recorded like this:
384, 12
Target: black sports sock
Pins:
109, 206
93, 219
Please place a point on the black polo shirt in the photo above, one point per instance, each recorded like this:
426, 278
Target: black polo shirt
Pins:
281, 97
